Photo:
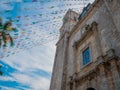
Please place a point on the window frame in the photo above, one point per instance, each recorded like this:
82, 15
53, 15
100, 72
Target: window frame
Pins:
85, 61
81, 55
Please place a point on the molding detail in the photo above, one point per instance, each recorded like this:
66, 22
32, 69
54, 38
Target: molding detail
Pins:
101, 60
87, 31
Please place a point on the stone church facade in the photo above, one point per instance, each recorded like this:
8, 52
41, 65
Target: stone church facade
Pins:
88, 51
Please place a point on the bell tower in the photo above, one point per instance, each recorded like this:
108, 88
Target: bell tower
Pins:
69, 20
59, 71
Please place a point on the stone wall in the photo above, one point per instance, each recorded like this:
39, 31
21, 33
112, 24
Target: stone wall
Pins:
56, 79
104, 76
98, 29
106, 37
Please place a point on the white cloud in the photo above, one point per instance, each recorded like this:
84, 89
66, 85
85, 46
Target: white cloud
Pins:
37, 58
36, 82
6, 78
6, 88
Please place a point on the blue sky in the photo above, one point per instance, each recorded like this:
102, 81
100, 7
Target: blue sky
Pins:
28, 70
28, 65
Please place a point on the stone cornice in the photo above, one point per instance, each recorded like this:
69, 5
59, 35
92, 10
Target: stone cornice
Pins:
93, 6
62, 37
74, 29
87, 33
83, 37
102, 60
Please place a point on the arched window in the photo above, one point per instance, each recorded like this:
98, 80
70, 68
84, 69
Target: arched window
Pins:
90, 89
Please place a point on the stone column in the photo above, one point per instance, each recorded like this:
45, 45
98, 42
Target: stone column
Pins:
103, 81
76, 65
108, 72
98, 81
65, 61
115, 74
118, 66
74, 82
97, 38
71, 85
97, 78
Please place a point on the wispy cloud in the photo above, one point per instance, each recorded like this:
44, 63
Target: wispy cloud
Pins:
35, 82
40, 57
31, 68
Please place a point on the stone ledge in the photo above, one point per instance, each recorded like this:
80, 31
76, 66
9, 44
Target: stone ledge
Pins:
91, 73
88, 31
